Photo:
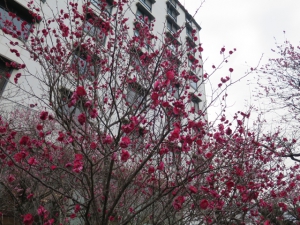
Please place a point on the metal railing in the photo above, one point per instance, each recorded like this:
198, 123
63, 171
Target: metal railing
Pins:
149, 7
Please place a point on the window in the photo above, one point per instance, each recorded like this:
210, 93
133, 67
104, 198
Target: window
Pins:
188, 19
137, 137
147, 4
65, 106
174, 91
191, 65
88, 69
106, 7
172, 12
195, 103
143, 42
18, 22
135, 94
96, 28
143, 17
4, 70
189, 32
171, 27
172, 47
193, 81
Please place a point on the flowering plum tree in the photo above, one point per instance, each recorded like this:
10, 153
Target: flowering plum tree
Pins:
279, 84
114, 135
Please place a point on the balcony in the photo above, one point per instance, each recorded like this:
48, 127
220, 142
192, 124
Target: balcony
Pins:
143, 12
172, 11
147, 4
107, 7
173, 16
173, 3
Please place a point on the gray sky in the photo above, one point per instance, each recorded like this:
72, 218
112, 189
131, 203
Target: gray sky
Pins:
250, 26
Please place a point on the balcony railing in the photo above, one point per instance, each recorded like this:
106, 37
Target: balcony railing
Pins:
189, 34
149, 7
173, 3
170, 13
171, 30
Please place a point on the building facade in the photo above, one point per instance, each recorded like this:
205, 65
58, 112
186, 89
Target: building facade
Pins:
169, 18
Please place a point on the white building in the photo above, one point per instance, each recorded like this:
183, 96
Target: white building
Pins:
169, 16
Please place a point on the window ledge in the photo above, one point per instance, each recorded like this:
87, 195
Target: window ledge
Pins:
143, 9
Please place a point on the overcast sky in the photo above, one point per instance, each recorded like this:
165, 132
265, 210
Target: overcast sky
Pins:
250, 26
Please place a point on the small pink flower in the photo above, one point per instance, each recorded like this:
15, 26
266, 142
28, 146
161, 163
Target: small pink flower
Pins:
93, 113
230, 70
81, 118
177, 204
43, 115
11, 178
32, 161
151, 169
24, 140
28, 219
39, 127
204, 204
125, 142
53, 167
125, 155
154, 96
93, 145
170, 75
29, 196
77, 208
193, 189
128, 128
161, 166
80, 91
107, 140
